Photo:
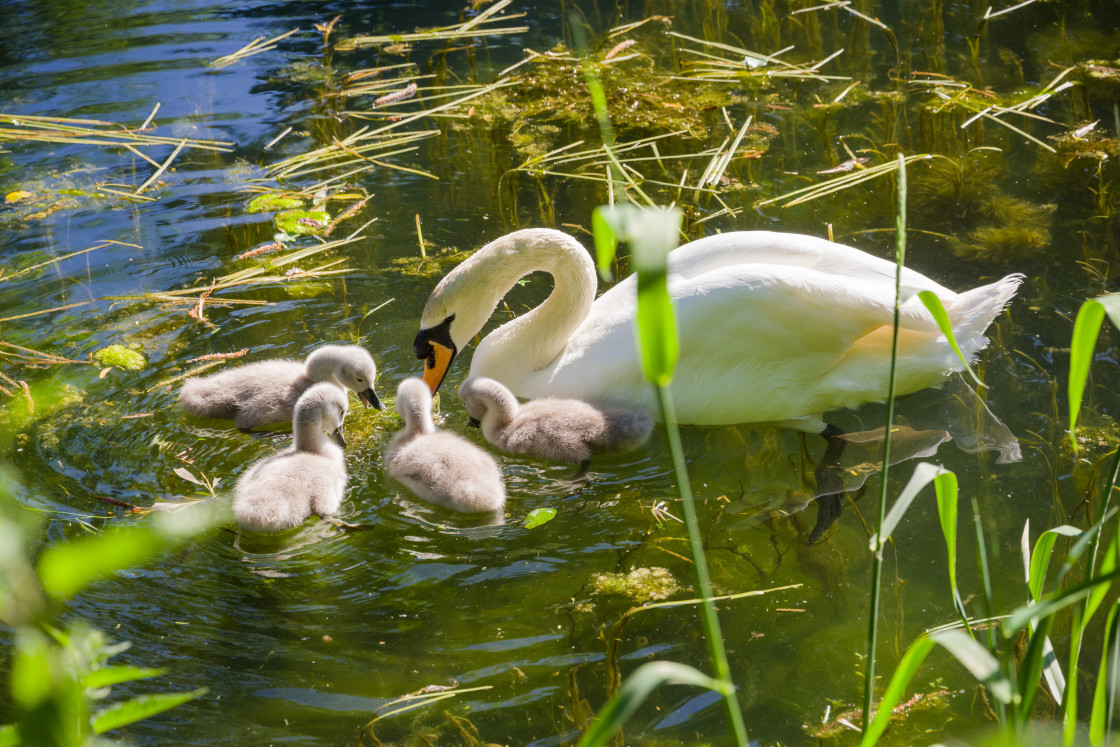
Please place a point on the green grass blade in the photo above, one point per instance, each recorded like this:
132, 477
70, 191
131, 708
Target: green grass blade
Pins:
877, 557
935, 307
977, 660
1039, 560
652, 234
107, 676
1086, 329
947, 495
896, 689
924, 474
1100, 720
66, 568
1045, 607
1034, 660
606, 242
1108, 565
139, 708
635, 690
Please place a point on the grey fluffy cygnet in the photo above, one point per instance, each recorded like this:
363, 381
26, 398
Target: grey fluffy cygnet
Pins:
266, 392
440, 467
567, 430
309, 477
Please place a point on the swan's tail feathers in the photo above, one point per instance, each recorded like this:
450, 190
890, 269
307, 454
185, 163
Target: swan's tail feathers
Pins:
975, 310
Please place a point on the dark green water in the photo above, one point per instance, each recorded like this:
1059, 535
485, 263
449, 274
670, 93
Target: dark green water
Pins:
300, 638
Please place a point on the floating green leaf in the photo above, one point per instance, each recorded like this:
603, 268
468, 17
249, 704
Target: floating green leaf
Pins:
271, 201
635, 690
139, 708
302, 222
1086, 328
119, 356
539, 516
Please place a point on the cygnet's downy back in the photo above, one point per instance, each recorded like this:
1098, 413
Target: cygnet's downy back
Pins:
281, 491
566, 430
440, 467
266, 392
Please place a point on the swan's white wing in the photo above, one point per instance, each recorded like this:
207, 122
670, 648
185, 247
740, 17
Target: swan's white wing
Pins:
759, 343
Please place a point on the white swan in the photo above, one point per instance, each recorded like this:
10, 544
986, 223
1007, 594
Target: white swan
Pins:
774, 327
567, 430
440, 467
309, 477
266, 392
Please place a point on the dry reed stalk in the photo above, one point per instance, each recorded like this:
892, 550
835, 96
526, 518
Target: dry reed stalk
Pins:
91, 132
218, 356
35, 357
258, 45
46, 311
99, 245
471, 28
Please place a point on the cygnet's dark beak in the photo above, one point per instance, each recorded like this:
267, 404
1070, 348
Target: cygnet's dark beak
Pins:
370, 399
338, 438
474, 423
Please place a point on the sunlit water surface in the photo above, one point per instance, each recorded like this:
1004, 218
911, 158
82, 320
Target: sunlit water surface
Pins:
301, 637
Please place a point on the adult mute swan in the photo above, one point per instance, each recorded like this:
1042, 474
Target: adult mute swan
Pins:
774, 327
309, 477
567, 430
441, 467
266, 392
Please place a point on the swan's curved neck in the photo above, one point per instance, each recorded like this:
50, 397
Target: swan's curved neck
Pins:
531, 341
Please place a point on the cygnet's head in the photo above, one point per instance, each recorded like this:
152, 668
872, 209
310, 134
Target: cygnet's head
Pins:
414, 404
323, 407
352, 366
481, 396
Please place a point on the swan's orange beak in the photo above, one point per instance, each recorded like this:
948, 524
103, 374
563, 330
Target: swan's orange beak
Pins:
436, 364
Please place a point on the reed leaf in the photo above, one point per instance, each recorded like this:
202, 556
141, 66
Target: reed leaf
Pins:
977, 660
1039, 655
139, 708
1105, 692
1052, 604
1086, 329
935, 307
945, 483
1037, 562
947, 512
896, 689
637, 688
115, 675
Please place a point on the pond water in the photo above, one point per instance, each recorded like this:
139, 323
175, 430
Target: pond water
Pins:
303, 636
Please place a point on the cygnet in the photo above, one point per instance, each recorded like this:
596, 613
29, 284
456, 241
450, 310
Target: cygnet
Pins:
567, 430
266, 392
309, 477
440, 467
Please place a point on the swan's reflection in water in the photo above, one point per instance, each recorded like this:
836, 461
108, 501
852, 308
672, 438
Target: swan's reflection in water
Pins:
926, 420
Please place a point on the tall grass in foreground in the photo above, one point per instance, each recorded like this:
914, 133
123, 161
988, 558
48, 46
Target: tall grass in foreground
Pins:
651, 234
60, 681
1009, 672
